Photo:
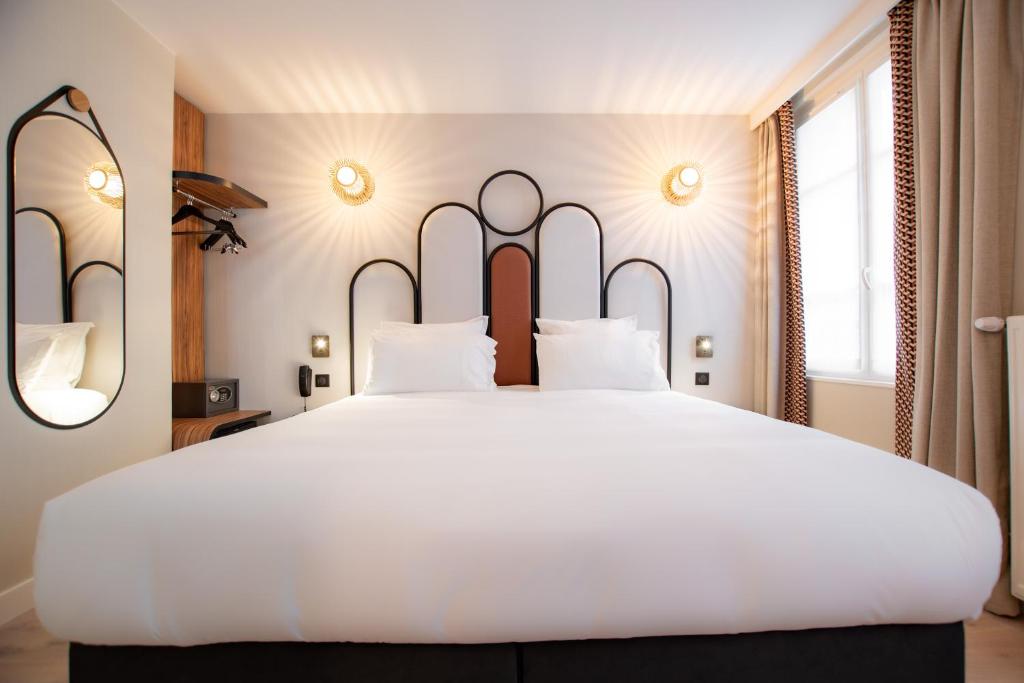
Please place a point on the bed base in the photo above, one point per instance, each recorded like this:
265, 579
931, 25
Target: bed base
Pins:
932, 653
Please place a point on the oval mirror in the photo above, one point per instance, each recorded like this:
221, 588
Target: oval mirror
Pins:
65, 281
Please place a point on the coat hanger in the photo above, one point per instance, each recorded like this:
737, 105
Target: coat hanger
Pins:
189, 211
221, 227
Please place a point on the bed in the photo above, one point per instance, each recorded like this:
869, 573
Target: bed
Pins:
517, 535
545, 516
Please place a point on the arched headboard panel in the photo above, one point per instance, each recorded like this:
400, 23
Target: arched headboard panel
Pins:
386, 304
563, 278
645, 292
569, 250
451, 260
511, 306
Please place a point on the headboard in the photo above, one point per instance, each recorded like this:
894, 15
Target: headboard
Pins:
457, 278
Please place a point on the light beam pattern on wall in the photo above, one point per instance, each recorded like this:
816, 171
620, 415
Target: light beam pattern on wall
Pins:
307, 245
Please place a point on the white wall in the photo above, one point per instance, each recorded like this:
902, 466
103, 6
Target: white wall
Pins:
263, 305
129, 78
860, 412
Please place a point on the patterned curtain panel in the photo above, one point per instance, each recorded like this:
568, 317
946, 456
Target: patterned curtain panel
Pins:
968, 76
794, 378
901, 34
780, 366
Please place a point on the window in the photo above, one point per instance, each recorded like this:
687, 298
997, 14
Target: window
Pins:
845, 186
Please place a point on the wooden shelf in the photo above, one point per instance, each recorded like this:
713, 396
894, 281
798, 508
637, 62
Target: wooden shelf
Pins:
186, 431
217, 191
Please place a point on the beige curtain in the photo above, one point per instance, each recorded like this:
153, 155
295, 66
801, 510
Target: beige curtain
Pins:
967, 116
780, 384
768, 270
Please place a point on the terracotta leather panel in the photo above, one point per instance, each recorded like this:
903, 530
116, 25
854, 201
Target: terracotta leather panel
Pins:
512, 315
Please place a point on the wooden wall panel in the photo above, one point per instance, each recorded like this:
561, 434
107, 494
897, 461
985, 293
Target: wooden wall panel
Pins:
187, 343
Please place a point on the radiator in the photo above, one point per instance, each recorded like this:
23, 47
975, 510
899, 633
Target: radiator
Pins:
1015, 350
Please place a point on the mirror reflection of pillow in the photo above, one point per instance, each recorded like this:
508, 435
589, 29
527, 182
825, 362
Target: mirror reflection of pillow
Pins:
66, 406
49, 356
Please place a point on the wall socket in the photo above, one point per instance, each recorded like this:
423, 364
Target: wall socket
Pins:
323, 380
701, 379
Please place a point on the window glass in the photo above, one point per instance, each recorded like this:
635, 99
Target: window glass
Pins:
829, 235
878, 88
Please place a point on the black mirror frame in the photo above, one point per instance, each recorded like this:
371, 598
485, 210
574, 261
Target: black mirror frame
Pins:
38, 111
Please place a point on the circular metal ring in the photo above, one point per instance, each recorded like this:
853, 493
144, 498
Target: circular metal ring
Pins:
509, 233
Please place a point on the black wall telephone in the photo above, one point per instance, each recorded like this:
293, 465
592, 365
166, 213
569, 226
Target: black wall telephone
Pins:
305, 381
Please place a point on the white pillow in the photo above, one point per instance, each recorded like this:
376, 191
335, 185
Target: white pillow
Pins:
401, 363
549, 326
627, 360
49, 356
477, 325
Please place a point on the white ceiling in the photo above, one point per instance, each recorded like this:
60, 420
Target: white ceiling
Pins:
485, 56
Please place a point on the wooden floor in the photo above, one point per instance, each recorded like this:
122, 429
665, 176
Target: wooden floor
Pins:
28, 654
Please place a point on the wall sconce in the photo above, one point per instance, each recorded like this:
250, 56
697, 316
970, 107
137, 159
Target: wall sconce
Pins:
683, 183
351, 182
320, 346
705, 347
104, 185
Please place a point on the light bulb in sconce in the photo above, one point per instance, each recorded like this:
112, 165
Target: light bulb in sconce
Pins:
683, 183
97, 179
347, 176
321, 346
705, 347
351, 181
689, 176
104, 185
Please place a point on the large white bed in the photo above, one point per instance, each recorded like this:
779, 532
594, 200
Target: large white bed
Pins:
512, 515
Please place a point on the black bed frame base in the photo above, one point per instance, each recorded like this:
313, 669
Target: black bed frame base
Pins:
932, 653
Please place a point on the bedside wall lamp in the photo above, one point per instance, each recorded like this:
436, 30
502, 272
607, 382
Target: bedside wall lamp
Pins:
320, 346
104, 185
351, 182
705, 347
683, 183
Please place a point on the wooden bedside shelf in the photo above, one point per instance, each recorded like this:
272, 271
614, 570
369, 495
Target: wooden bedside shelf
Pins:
186, 431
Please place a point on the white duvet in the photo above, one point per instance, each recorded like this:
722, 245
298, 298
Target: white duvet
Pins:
511, 516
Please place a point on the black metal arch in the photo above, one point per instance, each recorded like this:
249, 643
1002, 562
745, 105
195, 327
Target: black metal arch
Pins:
352, 311
480, 204
668, 305
39, 110
77, 272
63, 256
600, 250
483, 249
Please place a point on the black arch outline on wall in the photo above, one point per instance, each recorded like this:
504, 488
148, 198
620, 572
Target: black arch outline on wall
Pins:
534, 258
668, 304
499, 231
77, 272
37, 111
62, 251
600, 253
483, 252
352, 311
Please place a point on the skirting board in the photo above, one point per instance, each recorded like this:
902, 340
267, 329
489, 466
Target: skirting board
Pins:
16, 600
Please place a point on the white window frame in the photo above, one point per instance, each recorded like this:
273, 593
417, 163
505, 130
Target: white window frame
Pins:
850, 72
